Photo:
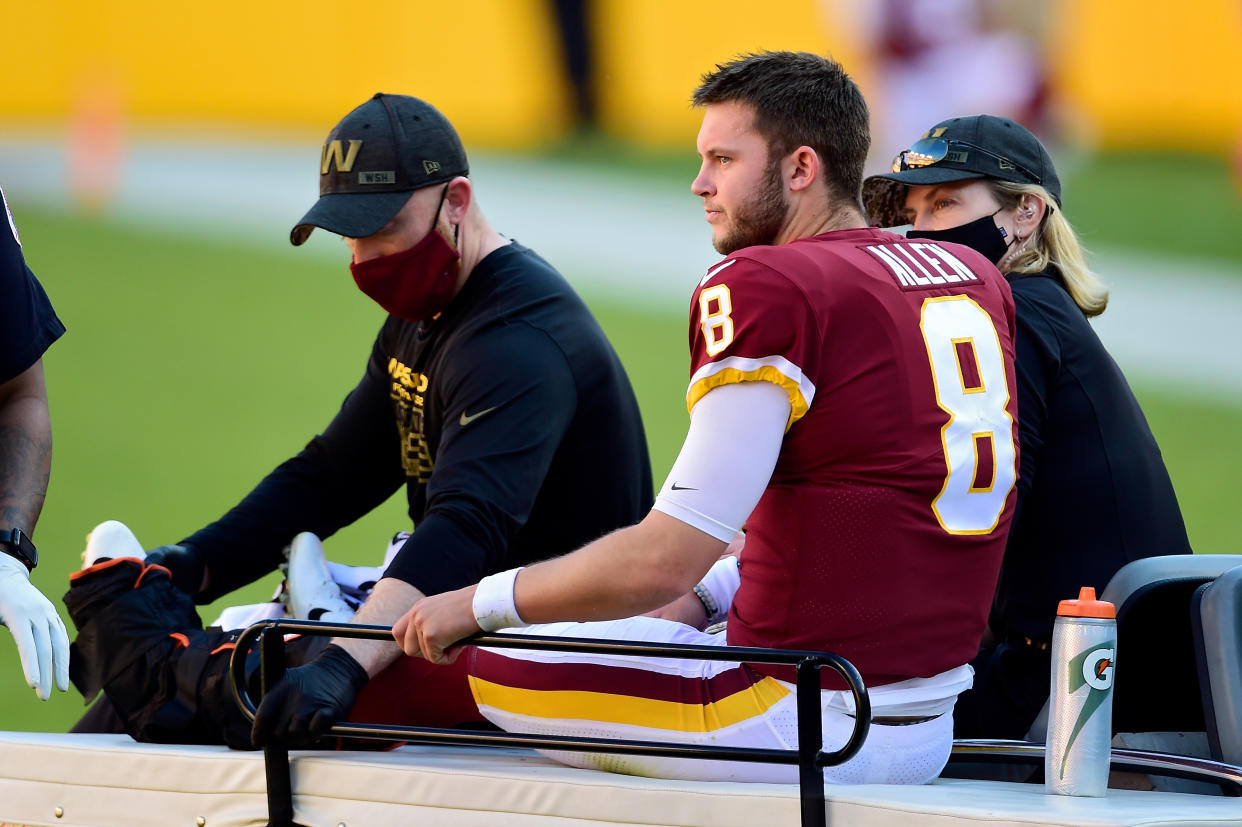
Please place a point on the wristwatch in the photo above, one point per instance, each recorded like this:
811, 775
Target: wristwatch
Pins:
15, 543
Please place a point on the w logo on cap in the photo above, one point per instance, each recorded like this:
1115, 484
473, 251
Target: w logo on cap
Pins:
344, 160
431, 166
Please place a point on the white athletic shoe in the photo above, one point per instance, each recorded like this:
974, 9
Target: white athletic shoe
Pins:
310, 592
111, 539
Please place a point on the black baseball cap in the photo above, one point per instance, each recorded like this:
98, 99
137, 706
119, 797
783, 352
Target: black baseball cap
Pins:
374, 158
958, 149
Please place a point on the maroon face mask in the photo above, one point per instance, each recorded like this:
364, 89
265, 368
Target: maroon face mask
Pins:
414, 284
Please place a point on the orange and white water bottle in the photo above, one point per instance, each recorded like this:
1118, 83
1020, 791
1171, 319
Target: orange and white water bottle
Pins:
1080, 712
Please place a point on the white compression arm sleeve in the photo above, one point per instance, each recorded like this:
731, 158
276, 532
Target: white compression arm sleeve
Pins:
727, 459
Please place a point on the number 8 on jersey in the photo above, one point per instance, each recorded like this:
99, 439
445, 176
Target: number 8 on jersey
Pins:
968, 373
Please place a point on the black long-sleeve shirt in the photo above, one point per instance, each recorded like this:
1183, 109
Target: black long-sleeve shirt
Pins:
509, 419
1093, 491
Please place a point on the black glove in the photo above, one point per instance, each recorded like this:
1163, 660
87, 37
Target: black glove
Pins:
309, 699
184, 563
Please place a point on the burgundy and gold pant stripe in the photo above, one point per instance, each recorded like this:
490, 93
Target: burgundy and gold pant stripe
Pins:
633, 696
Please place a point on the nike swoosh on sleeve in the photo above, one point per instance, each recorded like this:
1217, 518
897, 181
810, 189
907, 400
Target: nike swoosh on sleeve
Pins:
466, 419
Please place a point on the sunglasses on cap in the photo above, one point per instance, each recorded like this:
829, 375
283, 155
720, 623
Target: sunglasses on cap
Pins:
929, 151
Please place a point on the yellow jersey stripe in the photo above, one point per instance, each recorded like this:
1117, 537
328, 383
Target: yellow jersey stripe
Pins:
629, 710
765, 373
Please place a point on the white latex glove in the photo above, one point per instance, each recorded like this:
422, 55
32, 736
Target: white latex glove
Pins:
42, 642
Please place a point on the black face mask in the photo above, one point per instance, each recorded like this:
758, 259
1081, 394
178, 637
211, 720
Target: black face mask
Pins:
981, 235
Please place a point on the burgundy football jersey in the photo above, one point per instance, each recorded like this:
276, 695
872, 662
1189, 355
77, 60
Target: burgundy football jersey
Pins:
881, 532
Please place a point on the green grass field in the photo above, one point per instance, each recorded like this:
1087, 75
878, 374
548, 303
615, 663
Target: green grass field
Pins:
192, 367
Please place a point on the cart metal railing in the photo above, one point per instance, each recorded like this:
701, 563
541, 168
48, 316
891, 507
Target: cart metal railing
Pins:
1147, 762
809, 757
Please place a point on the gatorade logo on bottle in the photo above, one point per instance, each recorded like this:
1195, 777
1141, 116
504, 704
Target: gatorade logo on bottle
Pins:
1093, 669
1097, 668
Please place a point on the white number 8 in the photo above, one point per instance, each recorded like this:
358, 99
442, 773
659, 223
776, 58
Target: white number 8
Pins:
968, 372
717, 322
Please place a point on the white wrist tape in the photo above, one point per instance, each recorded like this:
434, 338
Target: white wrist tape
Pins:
493, 602
720, 583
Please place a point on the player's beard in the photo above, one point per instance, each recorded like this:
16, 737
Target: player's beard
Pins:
758, 220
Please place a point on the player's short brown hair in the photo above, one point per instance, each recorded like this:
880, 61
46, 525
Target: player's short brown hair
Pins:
800, 99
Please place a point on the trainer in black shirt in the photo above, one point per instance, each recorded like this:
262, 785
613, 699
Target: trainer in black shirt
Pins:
491, 394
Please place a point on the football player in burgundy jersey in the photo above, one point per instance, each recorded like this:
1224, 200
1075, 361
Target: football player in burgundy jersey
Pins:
851, 405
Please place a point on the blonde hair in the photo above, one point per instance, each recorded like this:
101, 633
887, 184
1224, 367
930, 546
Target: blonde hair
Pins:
1054, 244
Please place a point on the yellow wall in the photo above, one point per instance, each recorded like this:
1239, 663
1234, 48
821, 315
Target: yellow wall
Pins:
492, 66
1137, 73
652, 53
1152, 74
1134, 73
